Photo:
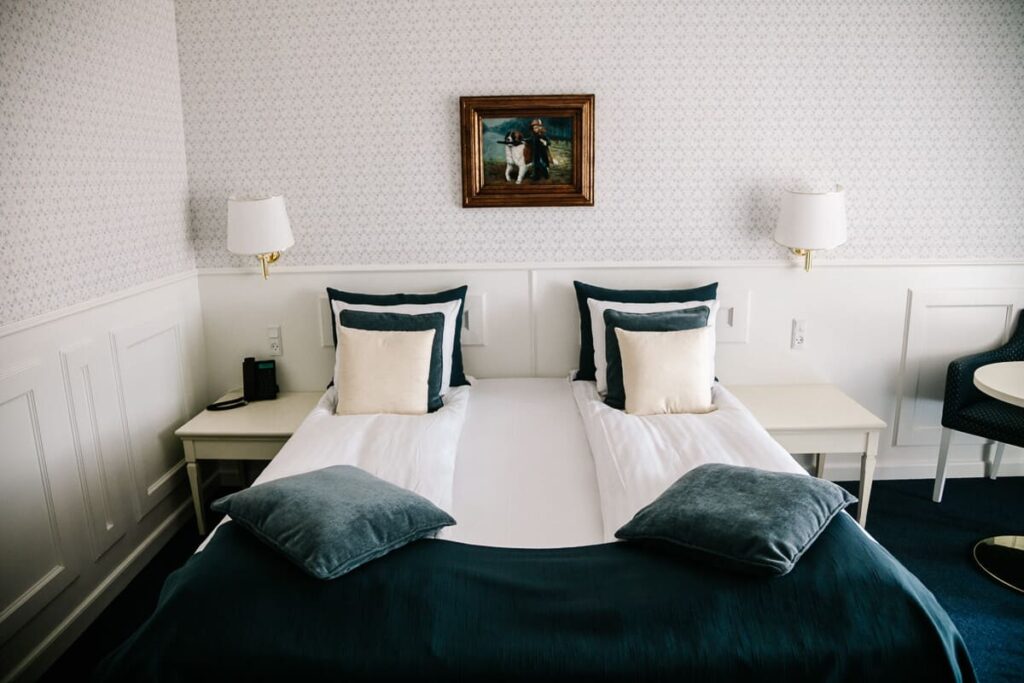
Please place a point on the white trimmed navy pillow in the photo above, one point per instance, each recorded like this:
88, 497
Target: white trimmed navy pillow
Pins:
450, 310
597, 324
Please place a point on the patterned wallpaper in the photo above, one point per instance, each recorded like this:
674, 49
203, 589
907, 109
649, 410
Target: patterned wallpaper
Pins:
705, 110
93, 184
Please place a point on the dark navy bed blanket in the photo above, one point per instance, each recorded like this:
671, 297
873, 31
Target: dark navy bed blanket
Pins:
438, 610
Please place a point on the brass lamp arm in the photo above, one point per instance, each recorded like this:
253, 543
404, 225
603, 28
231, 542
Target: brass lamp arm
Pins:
267, 259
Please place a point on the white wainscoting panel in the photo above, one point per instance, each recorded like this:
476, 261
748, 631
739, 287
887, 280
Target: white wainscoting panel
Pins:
149, 366
856, 316
239, 306
68, 538
86, 368
28, 514
944, 324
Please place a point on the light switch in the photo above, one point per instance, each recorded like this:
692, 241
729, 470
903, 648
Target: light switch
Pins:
474, 324
799, 335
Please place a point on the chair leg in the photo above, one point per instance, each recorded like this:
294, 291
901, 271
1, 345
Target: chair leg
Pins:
940, 473
997, 459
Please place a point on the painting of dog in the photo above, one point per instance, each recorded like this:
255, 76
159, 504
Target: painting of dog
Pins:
527, 150
533, 149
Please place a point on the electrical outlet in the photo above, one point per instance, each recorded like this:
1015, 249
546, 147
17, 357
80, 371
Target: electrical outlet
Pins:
799, 336
274, 337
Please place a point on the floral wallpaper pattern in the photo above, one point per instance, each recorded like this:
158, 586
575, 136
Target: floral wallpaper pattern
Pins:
705, 110
93, 184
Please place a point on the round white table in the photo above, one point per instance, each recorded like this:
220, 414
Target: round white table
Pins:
1002, 557
1004, 381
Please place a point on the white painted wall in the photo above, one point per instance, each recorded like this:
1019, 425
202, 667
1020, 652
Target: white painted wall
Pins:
858, 318
92, 482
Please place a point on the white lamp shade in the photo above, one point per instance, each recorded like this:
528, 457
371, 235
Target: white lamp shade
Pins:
258, 225
809, 220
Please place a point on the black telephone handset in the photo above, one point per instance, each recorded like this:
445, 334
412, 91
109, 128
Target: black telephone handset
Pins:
259, 383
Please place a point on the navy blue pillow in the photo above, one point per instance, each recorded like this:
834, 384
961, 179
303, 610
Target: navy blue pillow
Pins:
584, 291
330, 521
740, 518
667, 321
459, 293
407, 322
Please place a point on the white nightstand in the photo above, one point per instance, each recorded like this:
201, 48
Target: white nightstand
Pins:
254, 432
818, 419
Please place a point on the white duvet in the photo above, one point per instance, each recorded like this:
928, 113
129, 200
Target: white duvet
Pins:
638, 457
416, 452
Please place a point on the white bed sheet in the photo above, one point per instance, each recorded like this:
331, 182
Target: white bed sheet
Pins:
638, 457
524, 475
416, 452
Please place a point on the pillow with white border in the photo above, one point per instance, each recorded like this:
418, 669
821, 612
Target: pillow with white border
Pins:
450, 309
597, 309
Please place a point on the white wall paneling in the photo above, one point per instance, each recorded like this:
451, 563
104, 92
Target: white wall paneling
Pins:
28, 513
98, 447
943, 324
149, 364
68, 538
856, 316
237, 309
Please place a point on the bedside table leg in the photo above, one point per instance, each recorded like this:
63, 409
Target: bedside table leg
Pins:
197, 496
867, 473
819, 464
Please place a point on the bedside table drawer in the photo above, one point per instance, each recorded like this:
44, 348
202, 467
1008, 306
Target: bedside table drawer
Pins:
822, 441
234, 449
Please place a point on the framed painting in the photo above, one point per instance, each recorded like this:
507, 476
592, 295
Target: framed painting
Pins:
531, 150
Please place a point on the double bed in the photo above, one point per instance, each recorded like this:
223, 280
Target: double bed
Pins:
539, 473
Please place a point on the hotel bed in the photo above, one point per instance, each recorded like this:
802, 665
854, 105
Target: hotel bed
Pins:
523, 588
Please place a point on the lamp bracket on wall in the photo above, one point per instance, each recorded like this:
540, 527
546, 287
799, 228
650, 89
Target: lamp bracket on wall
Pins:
266, 259
806, 253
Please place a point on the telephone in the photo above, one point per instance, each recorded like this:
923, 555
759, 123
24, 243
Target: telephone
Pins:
259, 383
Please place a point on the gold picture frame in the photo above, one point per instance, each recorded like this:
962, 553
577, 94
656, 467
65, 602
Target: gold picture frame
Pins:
527, 150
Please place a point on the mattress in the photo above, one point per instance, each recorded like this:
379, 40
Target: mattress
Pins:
524, 476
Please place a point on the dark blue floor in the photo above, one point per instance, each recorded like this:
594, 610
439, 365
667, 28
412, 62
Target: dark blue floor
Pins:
933, 540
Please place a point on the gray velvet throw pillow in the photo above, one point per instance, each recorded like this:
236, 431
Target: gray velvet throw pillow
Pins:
333, 520
741, 518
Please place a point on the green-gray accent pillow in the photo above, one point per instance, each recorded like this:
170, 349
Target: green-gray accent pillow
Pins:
667, 321
333, 520
741, 518
585, 291
407, 322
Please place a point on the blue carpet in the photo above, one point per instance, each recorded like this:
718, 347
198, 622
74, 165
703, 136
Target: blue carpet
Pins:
933, 540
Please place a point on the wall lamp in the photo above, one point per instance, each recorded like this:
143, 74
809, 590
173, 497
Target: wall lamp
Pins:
258, 226
809, 221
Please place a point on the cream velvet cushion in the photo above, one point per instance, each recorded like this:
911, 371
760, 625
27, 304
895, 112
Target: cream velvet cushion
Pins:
382, 372
666, 372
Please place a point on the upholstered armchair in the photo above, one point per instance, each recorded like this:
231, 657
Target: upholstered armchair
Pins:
966, 409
